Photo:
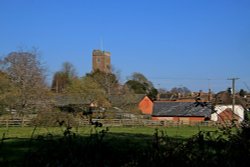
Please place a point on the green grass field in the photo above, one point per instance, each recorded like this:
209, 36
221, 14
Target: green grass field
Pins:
16, 140
27, 132
116, 146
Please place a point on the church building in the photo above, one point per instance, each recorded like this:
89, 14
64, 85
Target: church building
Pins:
101, 61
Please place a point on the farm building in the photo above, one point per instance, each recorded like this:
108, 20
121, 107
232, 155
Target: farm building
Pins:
146, 105
73, 103
224, 113
180, 111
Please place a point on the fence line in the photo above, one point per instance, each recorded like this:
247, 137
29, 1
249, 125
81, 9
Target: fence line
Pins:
15, 122
113, 122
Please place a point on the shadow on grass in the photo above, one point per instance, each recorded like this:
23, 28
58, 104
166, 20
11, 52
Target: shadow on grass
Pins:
104, 148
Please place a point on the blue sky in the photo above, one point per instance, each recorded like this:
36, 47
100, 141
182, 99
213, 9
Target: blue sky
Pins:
192, 43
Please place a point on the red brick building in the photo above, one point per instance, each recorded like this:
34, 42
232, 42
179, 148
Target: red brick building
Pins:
146, 105
180, 111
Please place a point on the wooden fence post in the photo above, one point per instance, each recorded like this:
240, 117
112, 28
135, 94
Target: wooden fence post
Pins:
22, 123
7, 123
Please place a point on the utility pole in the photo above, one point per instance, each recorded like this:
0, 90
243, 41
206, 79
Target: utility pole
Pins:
233, 93
56, 84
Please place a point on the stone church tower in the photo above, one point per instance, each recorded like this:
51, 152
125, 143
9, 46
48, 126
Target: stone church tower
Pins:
101, 61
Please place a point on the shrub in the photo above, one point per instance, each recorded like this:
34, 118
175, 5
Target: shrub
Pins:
54, 118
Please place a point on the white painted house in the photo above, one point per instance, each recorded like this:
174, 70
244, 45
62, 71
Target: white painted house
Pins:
223, 113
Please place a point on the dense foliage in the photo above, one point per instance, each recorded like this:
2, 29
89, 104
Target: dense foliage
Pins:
141, 85
63, 78
225, 147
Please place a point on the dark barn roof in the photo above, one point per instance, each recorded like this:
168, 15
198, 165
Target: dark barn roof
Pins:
183, 109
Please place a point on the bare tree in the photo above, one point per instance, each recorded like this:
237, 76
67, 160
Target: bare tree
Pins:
180, 91
162, 91
63, 78
69, 70
27, 74
108, 81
